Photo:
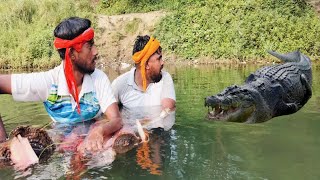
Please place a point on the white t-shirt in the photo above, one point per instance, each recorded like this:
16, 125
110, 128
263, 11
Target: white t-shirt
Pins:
130, 95
138, 104
51, 88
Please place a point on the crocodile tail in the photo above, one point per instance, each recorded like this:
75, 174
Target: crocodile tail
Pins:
295, 56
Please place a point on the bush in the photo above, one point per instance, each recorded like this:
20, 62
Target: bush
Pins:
26, 36
230, 29
194, 28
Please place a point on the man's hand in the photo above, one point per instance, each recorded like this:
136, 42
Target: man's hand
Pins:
70, 143
93, 142
102, 130
22, 154
5, 85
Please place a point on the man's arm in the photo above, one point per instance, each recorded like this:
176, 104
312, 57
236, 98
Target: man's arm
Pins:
5, 84
27, 86
5, 88
115, 123
102, 129
168, 94
3, 134
168, 103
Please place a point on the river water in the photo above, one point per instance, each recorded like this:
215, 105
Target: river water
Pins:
285, 147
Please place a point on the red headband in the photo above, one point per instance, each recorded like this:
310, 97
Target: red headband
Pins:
77, 44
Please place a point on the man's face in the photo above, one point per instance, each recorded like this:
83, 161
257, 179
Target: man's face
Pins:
154, 67
85, 60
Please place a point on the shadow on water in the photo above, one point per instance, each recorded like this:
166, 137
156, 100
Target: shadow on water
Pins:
285, 147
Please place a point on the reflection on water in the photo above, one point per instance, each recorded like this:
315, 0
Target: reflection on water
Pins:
285, 147
149, 116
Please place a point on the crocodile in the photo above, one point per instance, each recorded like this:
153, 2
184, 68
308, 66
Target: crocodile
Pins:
269, 92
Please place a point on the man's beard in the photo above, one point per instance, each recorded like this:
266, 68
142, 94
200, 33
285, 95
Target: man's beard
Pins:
84, 69
157, 77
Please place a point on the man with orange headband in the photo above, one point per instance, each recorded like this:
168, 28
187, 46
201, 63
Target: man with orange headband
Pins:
75, 91
146, 85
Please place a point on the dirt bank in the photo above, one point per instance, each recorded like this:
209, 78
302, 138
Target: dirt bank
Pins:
116, 35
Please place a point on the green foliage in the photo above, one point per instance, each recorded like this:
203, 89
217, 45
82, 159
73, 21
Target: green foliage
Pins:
111, 7
241, 29
26, 36
132, 26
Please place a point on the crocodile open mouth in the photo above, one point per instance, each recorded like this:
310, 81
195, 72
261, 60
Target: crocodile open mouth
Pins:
218, 113
227, 108
235, 104
232, 114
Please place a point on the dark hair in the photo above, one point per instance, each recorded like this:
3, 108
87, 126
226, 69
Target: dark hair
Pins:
69, 29
140, 42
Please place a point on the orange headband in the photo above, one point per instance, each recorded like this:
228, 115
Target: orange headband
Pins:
77, 44
142, 57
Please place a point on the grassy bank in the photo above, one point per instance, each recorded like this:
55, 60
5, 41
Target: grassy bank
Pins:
234, 29
26, 35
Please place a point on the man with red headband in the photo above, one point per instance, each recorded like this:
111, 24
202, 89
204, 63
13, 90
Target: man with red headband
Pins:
75, 91
146, 85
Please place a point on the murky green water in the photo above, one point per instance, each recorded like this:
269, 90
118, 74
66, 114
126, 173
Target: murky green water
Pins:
285, 147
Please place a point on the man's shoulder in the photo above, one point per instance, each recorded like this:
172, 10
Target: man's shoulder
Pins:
166, 75
97, 74
123, 78
49, 74
54, 71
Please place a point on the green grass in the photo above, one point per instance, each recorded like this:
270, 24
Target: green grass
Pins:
234, 29
132, 26
26, 36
